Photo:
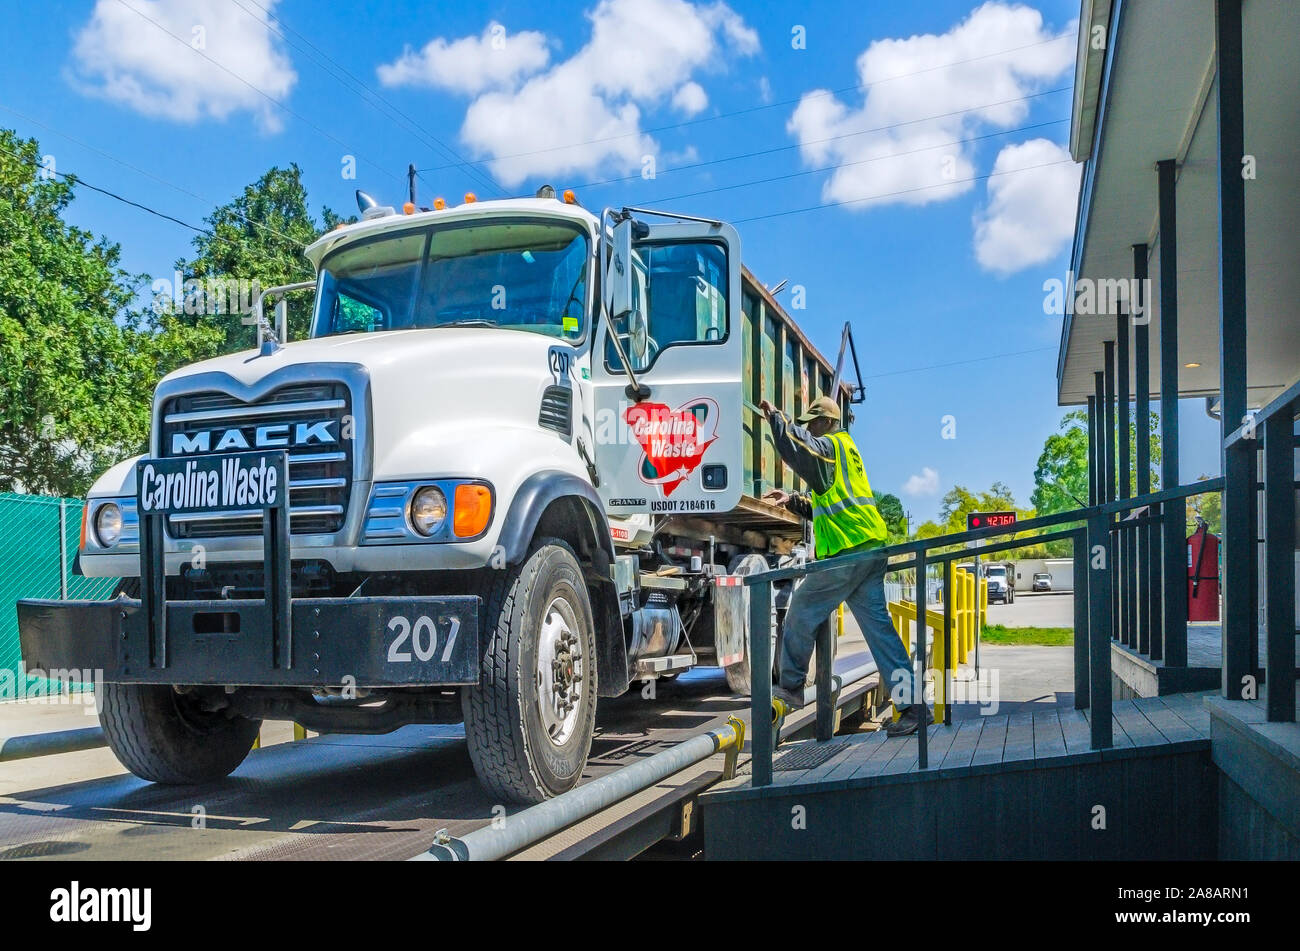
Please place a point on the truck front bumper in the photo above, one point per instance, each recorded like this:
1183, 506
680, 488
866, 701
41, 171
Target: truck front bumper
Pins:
330, 642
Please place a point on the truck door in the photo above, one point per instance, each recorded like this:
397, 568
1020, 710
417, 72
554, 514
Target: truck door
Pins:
672, 306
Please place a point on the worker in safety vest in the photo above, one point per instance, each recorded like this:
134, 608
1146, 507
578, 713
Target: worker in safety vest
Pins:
845, 521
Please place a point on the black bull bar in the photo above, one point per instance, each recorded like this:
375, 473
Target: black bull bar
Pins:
277, 640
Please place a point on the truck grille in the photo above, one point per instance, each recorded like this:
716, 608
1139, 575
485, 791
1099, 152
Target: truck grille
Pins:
320, 469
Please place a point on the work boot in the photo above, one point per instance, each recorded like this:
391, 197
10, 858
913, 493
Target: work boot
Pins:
791, 698
908, 722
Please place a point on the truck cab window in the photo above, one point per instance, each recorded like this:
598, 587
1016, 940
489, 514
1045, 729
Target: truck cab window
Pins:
684, 302
528, 275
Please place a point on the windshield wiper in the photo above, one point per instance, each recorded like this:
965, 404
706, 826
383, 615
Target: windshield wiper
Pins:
468, 322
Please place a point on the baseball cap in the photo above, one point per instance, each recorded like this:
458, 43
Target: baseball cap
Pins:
822, 406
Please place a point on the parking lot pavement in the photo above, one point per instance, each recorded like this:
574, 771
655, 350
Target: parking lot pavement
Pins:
1041, 609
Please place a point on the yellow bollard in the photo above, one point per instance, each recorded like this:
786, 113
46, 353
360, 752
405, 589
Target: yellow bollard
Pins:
968, 613
900, 612
939, 669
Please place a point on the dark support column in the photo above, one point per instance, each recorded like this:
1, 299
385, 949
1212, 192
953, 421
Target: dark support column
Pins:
1092, 451
1142, 433
1124, 540
1279, 564
1108, 353
1099, 578
1239, 500
1082, 641
1099, 439
1174, 542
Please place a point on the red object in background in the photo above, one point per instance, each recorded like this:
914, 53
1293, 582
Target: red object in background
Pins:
989, 519
1203, 576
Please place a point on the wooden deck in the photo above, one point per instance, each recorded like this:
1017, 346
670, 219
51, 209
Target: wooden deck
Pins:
999, 739
1021, 785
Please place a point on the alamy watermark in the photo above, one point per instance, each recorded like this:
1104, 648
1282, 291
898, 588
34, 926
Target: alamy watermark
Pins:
205, 295
1100, 297
53, 686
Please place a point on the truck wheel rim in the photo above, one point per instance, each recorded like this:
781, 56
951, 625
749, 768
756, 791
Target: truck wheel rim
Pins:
559, 671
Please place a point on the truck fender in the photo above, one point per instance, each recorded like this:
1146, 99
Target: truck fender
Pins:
527, 509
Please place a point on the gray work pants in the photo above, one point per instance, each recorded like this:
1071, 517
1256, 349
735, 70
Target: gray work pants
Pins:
860, 585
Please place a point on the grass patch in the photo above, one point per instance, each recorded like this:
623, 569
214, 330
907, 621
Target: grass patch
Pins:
1027, 636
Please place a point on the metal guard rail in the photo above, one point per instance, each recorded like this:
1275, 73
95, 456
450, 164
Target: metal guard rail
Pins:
1092, 612
1276, 423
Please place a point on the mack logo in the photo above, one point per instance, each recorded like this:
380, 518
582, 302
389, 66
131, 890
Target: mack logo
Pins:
267, 436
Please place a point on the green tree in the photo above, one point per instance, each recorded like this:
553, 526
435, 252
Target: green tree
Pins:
76, 373
891, 510
257, 237
961, 501
1208, 507
1061, 476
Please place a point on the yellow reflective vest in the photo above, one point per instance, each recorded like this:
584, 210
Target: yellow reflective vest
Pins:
845, 515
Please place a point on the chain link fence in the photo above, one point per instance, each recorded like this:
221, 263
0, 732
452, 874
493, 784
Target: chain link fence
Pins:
39, 535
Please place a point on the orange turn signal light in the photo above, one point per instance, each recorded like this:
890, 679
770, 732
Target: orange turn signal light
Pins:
473, 510
408, 208
85, 520
439, 204
569, 197
470, 198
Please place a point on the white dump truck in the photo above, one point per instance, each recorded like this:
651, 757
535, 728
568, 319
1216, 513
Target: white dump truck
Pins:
516, 466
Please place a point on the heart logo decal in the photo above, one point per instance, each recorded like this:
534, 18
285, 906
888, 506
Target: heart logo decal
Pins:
673, 440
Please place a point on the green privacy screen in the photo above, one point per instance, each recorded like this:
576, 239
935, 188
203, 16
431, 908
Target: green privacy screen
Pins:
39, 535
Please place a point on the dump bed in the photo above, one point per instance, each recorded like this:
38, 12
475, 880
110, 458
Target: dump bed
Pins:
782, 366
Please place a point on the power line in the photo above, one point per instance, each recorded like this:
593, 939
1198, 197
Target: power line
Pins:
265, 95
366, 94
151, 175
770, 105
957, 363
76, 181
875, 158
901, 191
830, 138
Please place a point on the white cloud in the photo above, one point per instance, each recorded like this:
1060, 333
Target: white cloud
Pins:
584, 113
470, 64
924, 483
690, 99
910, 79
1030, 214
121, 56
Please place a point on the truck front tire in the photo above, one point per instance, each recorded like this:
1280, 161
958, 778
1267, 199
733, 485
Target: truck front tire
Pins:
529, 721
164, 737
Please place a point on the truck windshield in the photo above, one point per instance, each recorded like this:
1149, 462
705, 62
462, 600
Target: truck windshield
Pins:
521, 274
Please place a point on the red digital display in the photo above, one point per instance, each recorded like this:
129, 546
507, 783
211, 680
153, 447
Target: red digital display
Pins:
990, 519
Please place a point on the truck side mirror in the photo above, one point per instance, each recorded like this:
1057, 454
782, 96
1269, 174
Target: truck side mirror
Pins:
618, 272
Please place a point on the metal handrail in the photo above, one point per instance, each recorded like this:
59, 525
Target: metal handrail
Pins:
1092, 656
1285, 402
957, 538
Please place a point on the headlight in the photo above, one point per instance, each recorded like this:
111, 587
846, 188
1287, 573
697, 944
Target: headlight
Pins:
428, 509
108, 524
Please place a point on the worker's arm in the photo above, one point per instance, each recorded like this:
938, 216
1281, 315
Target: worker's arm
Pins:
800, 505
811, 457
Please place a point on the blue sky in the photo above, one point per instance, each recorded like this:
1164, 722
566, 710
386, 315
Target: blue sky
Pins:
938, 231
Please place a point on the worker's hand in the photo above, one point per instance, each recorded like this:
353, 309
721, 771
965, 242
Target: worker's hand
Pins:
777, 497
766, 407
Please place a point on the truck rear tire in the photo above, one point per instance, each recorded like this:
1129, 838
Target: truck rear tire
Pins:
163, 737
530, 720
